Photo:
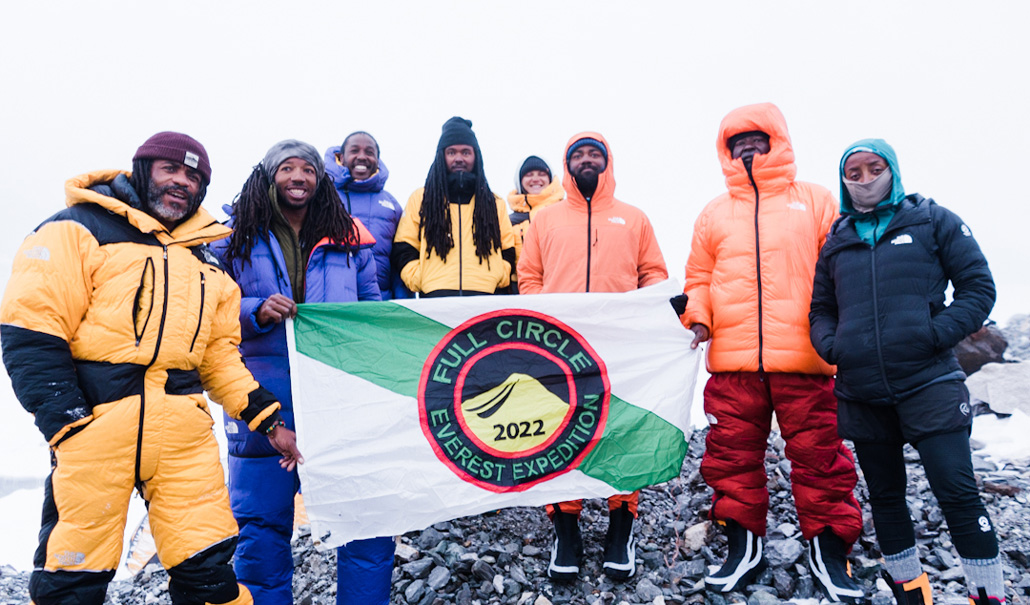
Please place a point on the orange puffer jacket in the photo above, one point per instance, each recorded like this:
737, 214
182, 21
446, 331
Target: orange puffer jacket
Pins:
601, 246
752, 259
528, 205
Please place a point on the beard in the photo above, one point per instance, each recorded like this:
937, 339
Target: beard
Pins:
586, 180
461, 186
170, 213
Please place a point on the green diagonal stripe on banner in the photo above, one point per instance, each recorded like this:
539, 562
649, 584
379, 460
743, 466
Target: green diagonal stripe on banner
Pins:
387, 344
382, 342
654, 453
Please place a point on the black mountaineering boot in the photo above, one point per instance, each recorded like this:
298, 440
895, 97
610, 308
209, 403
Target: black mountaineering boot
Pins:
744, 560
827, 557
620, 553
567, 550
913, 592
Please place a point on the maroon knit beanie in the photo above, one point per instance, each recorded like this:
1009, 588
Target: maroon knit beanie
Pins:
176, 147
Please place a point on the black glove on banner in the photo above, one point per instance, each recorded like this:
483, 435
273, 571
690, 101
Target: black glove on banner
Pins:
679, 303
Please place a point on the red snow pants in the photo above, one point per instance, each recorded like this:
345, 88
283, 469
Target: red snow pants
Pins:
739, 407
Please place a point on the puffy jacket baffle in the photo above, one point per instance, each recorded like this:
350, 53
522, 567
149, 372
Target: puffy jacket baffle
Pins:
754, 297
600, 245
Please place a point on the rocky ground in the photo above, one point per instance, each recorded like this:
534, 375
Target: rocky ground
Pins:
501, 558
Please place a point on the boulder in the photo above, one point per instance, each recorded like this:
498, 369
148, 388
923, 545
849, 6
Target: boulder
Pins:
986, 345
1004, 386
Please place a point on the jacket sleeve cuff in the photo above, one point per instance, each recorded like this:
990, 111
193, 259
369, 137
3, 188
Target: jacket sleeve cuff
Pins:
262, 410
268, 422
249, 326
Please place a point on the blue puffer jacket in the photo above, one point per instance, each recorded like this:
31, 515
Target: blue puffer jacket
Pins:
378, 210
333, 275
879, 312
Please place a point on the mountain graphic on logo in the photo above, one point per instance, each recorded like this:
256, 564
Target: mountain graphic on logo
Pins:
516, 415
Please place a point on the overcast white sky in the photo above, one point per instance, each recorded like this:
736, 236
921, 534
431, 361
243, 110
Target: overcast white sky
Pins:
84, 83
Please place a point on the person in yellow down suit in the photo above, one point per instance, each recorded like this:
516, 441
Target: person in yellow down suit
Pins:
115, 321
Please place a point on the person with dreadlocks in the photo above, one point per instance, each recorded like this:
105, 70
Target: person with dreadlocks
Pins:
360, 175
455, 238
292, 242
117, 317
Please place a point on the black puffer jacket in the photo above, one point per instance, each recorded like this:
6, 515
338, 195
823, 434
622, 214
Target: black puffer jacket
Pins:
879, 314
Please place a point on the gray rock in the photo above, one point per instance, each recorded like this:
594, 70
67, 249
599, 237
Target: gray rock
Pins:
414, 591
762, 597
518, 574
646, 590
418, 568
438, 578
483, 571
782, 553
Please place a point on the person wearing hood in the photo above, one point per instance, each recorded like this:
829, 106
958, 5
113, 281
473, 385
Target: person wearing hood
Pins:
535, 188
591, 242
360, 174
879, 313
292, 242
749, 283
116, 318
455, 238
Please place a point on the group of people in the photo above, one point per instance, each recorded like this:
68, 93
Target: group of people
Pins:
126, 306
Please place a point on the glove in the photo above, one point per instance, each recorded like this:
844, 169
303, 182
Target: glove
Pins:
679, 303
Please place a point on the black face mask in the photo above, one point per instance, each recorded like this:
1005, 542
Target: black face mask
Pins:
460, 186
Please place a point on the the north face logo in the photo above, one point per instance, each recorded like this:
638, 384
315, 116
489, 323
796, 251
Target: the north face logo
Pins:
797, 206
904, 238
386, 204
618, 220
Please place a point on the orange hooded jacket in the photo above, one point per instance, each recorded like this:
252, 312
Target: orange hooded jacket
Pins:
752, 258
603, 245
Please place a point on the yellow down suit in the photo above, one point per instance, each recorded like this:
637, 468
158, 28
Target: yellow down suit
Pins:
112, 329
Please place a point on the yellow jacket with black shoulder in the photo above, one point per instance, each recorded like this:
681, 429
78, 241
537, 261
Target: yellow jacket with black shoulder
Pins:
104, 306
462, 272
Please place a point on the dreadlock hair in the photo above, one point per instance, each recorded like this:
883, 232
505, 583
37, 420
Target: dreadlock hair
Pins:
253, 212
435, 213
140, 181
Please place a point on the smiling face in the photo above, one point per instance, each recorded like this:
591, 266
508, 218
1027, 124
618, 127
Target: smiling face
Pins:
534, 181
360, 155
460, 158
864, 166
295, 182
173, 191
